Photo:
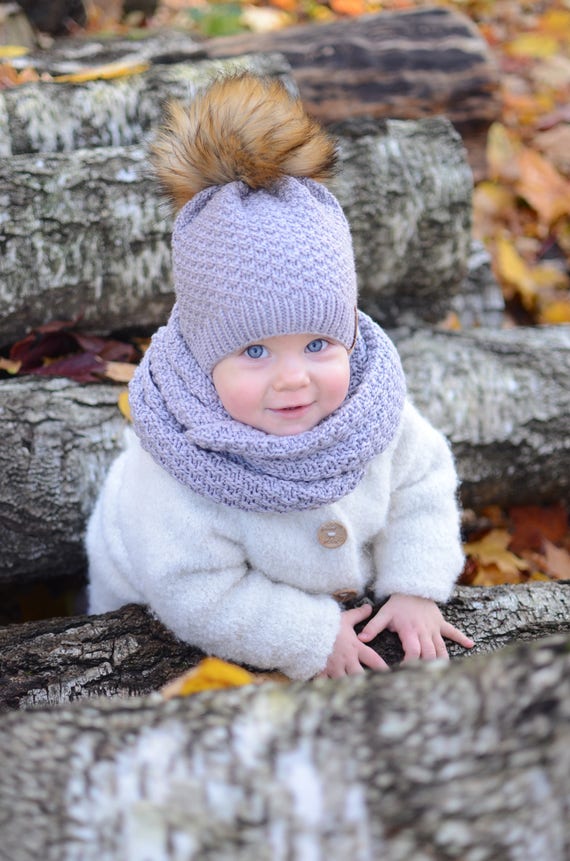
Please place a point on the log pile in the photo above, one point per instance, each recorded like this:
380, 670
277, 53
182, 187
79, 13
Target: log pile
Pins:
130, 653
470, 760
433, 761
500, 396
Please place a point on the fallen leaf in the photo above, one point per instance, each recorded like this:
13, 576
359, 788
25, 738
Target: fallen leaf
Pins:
9, 366
533, 524
554, 144
124, 405
512, 268
119, 69
554, 561
493, 575
503, 147
8, 52
348, 7
556, 312
119, 372
210, 674
491, 552
532, 45
542, 186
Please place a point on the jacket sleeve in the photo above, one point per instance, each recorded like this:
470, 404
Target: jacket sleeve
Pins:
171, 551
419, 551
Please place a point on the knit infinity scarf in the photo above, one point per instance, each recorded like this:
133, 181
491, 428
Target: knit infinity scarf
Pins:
181, 422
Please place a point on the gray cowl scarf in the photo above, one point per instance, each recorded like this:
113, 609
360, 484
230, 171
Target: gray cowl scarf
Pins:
181, 422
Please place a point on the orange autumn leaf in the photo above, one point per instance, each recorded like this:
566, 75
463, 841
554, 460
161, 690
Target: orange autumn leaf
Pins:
348, 7
532, 524
542, 186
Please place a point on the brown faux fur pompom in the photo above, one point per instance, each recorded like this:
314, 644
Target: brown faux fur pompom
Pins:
241, 128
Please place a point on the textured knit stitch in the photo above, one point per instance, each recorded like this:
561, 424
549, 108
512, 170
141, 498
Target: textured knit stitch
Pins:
183, 425
250, 264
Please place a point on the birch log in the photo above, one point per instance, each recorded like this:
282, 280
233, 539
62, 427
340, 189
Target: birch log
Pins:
49, 117
84, 232
500, 396
390, 65
128, 652
469, 760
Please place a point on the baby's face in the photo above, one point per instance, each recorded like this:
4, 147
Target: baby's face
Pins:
284, 385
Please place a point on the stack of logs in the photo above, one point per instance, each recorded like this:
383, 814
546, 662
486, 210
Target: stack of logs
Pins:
426, 762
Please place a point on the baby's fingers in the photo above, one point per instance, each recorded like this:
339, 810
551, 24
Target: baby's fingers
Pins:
371, 659
372, 629
456, 635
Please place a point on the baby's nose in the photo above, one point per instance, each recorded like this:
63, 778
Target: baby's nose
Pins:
291, 374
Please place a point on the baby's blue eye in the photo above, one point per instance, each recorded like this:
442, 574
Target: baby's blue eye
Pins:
256, 351
317, 345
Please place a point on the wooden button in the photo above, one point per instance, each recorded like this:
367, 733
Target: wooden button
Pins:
332, 534
344, 595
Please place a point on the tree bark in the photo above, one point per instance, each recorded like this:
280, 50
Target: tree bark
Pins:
128, 652
86, 232
501, 397
399, 65
46, 117
58, 440
469, 760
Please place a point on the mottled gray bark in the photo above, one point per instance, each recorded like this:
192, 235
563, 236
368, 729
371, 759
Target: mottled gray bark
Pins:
420, 63
48, 117
58, 439
469, 760
500, 396
128, 652
85, 231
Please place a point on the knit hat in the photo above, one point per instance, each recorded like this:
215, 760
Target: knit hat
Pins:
260, 247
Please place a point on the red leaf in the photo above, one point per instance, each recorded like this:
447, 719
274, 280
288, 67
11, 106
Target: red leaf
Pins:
81, 367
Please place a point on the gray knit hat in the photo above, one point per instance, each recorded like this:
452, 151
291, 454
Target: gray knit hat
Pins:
260, 248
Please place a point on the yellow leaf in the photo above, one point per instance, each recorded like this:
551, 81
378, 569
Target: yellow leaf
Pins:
532, 45
9, 366
540, 184
555, 21
124, 405
8, 52
210, 674
556, 312
491, 550
513, 269
503, 147
119, 372
118, 69
549, 277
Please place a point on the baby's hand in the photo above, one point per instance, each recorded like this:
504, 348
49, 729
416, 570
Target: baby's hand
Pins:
349, 653
419, 625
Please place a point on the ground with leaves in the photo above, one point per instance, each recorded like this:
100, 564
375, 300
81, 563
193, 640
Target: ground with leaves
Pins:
521, 212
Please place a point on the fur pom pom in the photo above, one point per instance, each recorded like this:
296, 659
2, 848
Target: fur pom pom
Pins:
241, 128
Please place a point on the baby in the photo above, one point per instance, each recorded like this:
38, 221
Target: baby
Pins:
277, 466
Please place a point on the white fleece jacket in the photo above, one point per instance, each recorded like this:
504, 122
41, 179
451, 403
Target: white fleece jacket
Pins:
257, 588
